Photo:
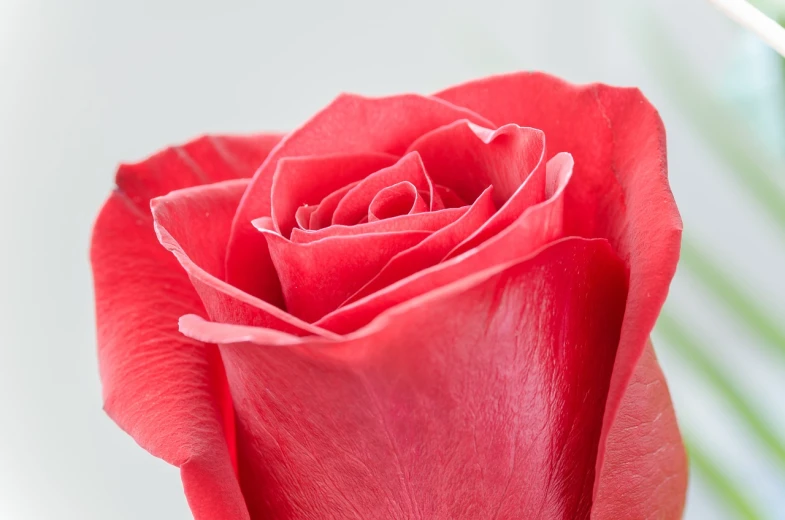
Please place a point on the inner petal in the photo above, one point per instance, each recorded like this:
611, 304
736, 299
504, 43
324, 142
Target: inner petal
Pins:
398, 199
541, 224
448, 198
354, 206
322, 216
317, 276
467, 158
427, 221
303, 216
306, 181
433, 249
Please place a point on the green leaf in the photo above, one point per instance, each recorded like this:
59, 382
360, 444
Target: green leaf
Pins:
724, 286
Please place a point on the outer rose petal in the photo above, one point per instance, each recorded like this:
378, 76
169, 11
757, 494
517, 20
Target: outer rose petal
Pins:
646, 413
621, 192
450, 406
350, 124
177, 407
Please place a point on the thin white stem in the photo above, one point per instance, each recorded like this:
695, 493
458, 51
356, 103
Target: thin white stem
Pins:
748, 16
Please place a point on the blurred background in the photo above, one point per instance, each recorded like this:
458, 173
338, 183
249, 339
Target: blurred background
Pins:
85, 84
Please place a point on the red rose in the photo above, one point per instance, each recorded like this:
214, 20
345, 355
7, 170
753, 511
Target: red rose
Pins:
419, 311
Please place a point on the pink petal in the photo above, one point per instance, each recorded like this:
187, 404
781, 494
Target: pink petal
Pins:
302, 181
431, 221
433, 249
468, 158
453, 405
354, 205
538, 226
302, 216
202, 161
194, 225
620, 191
178, 407
450, 198
515, 159
396, 200
645, 420
322, 216
350, 124
317, 276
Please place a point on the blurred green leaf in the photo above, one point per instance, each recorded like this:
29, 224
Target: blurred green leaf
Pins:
773, 8
724, 286
755, 169
722, 485
678, 336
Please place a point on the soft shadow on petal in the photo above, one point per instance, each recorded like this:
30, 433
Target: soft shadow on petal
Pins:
350, 124
482, 399
620, 191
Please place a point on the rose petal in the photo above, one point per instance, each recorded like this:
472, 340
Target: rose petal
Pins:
202, 161
482, 400
194, 225
436, 201
178, 408
433, 249
317, 276
450, 198
645, 427
511, 159
620, 192
395, 201
322, 217
468, 158
303, 214
302, 181
431, 221
539, 225
354, 205
350, 124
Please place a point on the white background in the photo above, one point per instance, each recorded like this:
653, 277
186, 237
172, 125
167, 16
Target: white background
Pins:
85, 84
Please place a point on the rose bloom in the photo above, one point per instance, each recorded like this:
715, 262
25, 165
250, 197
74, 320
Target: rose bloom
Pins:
411, 307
